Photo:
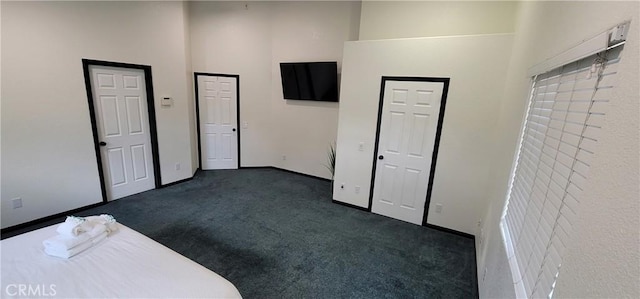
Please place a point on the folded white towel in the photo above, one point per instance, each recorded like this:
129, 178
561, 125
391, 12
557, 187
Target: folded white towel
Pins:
97, 219
105, 219
74, 220
99, 237
97, 229
77, 234
70, 229
112, 227
60, 242
108, 218
68, 253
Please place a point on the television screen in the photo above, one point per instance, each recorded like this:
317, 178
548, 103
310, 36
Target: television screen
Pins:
314, 81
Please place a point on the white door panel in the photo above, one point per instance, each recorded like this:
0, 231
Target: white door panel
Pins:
408, 128
138, 156
217, 101
116, 169
123, 124
134, 114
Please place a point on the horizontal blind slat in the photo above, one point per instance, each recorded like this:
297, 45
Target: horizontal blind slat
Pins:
566, 111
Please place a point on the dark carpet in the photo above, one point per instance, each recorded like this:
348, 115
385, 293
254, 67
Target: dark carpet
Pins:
276, 234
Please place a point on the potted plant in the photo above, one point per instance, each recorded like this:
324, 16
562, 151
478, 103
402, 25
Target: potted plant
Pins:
331, 161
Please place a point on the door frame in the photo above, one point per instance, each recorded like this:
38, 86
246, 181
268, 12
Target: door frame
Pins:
151, 111
436, 144
195, 82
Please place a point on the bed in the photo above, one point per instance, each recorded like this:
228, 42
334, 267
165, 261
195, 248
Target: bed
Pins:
126, 265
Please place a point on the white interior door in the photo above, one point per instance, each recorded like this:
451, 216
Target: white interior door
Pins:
120, 102
218, 112
408, 128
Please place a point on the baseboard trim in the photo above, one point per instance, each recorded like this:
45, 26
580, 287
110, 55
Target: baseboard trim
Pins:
349, 205
287, 170
176, 182
48, 218
181, 181
254, 167
475, 263
300, 173
452, 231
67, 213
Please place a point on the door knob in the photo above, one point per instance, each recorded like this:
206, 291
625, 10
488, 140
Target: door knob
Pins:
102, 143
234, 129
381, 157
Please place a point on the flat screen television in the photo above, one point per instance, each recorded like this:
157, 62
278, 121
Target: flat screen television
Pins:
313, 81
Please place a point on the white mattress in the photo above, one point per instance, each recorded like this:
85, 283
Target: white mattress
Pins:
125, 265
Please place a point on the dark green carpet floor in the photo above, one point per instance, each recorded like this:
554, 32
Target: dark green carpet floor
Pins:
276, 234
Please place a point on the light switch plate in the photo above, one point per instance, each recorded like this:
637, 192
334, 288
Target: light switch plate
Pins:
166, 101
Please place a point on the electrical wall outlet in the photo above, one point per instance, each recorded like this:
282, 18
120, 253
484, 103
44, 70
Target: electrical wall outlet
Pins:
16, 202
484, 275
357, 189
177, 166
438, 208
284, 157
361, 146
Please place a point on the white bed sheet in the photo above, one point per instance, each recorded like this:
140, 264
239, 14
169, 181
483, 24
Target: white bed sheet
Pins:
125, 265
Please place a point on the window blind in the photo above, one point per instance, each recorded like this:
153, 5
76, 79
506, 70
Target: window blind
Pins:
565, 114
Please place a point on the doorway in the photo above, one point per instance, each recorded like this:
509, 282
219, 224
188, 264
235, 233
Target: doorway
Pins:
217, 114
410, 118
122, 113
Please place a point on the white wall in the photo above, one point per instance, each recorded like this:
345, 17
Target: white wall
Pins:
231, 38
466, 144
602, 259
251, 39
47, 143
402, 19
190, 99
301, 32
0, 104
